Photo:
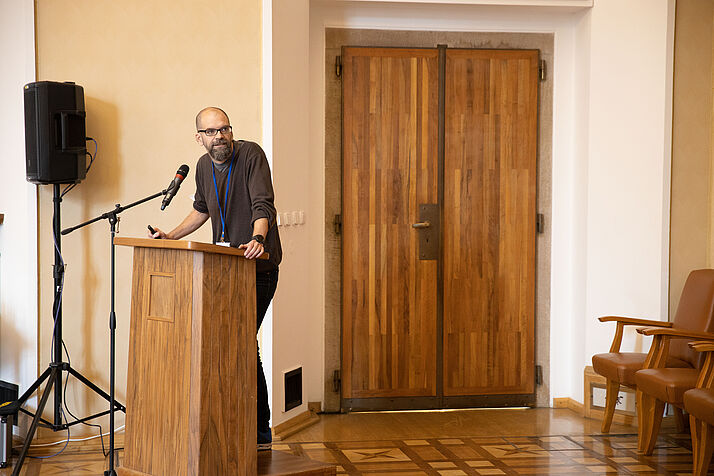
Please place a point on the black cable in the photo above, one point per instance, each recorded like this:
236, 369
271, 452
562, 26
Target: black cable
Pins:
101, 432
96, 151
58, 300
65, 443
69, 188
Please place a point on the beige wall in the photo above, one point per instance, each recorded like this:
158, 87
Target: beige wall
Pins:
146, 69
691, 225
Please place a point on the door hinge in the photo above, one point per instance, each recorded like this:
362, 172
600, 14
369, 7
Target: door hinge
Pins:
542, 70
336, 381
538, 375
338, 66
337, 222
540, 223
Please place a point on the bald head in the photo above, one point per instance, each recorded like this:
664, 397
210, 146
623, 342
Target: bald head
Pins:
210, 112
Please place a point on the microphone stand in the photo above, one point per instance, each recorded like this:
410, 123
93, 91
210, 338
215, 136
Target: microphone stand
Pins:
112, 217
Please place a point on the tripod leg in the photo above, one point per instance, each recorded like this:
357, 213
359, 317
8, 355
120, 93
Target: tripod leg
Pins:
34, 386
35, 421
98, 390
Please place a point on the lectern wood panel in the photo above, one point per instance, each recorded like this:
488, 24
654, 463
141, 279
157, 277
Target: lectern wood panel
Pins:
159, 371
228, 396
191, 394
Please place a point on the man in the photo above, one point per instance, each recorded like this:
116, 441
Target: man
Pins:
234, 190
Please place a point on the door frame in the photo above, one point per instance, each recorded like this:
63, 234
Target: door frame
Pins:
335, 39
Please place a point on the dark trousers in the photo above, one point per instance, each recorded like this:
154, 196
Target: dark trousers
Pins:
265, 284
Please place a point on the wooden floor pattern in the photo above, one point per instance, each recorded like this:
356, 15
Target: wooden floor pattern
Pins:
535, 455
453, 443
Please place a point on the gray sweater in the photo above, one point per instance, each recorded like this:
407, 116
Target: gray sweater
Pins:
250, 196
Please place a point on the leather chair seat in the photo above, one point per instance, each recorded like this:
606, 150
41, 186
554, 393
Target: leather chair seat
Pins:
699, 402
667, 385
622, 366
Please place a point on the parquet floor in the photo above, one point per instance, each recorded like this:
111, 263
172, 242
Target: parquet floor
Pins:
470, 442
534, 455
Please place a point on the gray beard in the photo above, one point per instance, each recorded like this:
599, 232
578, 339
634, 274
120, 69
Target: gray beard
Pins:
221, 154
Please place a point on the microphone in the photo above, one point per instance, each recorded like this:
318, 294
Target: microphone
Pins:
173, 187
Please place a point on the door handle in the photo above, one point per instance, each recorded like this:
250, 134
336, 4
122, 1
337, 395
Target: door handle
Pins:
423, 224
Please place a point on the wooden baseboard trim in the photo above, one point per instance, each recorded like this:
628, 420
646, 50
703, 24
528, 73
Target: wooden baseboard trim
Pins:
295, 424
569, 403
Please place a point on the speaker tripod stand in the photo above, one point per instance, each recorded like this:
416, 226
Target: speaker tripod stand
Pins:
53, 374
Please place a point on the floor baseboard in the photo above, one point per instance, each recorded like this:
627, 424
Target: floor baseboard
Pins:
295, 424
623, 419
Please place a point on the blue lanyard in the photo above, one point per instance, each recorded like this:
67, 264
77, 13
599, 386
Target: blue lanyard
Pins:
218, 199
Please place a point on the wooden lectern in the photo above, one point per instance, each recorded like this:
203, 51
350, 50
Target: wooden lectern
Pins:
191, 391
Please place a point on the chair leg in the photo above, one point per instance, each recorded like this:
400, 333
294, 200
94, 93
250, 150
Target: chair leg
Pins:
641, 420
695, 431
679, 419
703, 446
649, 415
612, 390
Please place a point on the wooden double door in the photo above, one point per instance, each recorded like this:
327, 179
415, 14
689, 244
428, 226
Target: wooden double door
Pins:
439, 154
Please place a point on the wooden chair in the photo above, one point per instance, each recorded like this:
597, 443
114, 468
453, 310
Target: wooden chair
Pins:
658, 385
693, 313
699, 403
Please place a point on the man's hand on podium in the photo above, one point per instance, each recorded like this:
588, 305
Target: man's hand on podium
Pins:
253, 249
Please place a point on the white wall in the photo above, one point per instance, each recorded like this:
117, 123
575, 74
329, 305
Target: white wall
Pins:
612, 72
628, 157
18, 201
297, 307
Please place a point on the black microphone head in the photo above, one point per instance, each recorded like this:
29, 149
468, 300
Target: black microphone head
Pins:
182, 171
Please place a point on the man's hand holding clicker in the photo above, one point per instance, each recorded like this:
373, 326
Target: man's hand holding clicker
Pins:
156, 233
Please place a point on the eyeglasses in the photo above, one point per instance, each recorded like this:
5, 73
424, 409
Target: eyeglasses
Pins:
225, 130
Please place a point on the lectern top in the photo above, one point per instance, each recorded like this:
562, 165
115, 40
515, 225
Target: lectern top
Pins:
180, 245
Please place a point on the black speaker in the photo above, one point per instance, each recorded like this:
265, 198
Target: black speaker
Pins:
55, 133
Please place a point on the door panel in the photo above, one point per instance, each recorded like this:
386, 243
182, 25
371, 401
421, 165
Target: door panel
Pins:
396, 282
489, 221
390, 122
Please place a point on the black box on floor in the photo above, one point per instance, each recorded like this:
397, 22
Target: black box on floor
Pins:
8, 395
9, 392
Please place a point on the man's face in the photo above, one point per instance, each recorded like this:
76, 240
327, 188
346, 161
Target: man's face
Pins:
219, 146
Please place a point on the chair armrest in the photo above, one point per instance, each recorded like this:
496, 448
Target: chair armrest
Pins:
634, 321
702, 346
628, 321
659, 350
707, 370
676, 333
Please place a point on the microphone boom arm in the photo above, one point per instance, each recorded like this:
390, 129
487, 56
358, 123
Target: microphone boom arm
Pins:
111, 215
